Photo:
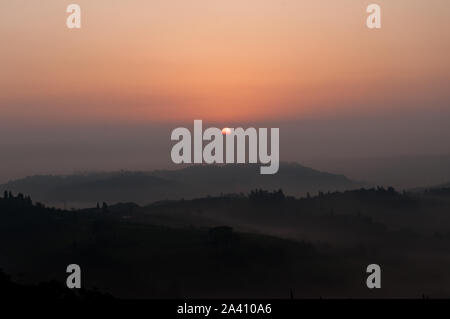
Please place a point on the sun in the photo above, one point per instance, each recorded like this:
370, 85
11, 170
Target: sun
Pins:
226, 131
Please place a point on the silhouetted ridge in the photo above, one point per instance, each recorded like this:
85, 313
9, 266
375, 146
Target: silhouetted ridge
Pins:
189, 182
221, 246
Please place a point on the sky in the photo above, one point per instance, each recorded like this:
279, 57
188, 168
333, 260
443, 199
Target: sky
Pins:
106, 96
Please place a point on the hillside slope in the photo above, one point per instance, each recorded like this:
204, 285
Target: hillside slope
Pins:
83, 190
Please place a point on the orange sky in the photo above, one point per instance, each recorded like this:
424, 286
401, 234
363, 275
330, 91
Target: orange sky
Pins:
220, 60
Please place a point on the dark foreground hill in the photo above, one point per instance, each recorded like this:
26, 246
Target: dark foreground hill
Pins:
82, 190
276, 245
51, 290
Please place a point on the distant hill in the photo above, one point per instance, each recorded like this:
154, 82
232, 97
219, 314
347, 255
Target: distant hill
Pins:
446, 185
443, 187
82, 190
401, 172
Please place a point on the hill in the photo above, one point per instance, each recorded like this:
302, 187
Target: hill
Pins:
83, 190
205, 248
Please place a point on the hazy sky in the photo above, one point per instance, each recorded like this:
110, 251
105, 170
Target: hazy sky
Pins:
106, 96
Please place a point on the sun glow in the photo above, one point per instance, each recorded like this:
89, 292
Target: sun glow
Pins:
226, 131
